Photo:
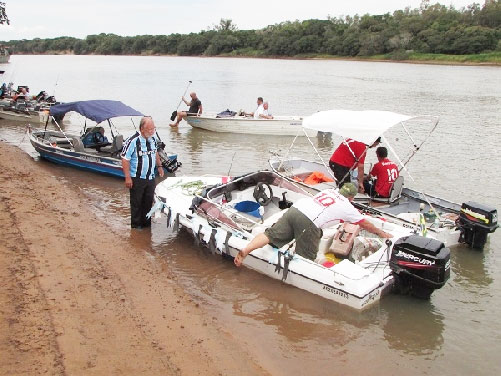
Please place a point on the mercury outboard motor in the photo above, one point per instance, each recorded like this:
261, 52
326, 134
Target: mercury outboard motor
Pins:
420, 264
475, 222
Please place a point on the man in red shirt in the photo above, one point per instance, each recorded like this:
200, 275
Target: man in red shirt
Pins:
350, 154
385, 172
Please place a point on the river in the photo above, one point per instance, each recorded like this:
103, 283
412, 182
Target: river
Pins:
290, 331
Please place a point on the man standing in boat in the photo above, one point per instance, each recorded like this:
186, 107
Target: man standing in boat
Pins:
194, 110
350, 154
305, 219
139, 159
385, 172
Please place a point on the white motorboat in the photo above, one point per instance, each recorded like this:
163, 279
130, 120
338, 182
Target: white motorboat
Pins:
225, 215
28, 116
278, 126
446, 221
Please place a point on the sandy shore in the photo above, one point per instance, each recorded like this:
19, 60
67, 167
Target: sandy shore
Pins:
76, 304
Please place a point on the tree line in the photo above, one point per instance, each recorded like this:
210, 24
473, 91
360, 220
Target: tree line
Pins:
435, 29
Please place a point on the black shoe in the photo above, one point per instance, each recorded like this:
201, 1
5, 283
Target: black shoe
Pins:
137, 227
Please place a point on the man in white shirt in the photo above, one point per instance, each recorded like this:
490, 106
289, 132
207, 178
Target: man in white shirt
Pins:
259, 110
305, 219
266, 114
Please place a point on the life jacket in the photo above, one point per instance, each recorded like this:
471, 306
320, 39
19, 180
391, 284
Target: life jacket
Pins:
317, 177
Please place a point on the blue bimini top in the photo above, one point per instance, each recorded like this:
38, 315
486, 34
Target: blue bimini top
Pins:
96, 110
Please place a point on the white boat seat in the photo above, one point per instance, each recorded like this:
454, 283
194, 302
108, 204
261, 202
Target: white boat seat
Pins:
395, 192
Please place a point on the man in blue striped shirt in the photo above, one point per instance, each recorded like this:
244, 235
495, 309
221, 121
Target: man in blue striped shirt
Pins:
139, 159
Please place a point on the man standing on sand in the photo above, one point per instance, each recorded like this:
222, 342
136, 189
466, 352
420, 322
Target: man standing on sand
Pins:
139, 159
194, 110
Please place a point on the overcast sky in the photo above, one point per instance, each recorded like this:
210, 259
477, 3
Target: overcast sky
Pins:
79, 18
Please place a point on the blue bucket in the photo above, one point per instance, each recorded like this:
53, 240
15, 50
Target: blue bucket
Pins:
249, 207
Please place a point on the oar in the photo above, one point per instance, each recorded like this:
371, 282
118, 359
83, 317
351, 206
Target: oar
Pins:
174, 113
189, 83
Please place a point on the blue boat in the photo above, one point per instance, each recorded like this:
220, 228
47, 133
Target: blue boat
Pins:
91, 151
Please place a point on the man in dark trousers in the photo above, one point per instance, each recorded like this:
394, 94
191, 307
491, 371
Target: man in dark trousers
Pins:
139, 159
194, 110
350, 154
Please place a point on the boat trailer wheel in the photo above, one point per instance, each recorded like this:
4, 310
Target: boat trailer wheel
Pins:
260, 193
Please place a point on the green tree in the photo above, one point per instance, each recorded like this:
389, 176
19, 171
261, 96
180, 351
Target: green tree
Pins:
3, 15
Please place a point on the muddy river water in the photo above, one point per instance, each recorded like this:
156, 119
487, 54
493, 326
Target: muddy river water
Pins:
290, 331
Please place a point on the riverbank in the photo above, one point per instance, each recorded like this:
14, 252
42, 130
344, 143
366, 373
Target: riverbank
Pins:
76, 297
488, 59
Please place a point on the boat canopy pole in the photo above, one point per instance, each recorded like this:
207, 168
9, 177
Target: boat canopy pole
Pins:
417, 147
397, 157
422, 194
408, 134
133, 124
319, 156
46, 123
288, 151
64, 134
111, 129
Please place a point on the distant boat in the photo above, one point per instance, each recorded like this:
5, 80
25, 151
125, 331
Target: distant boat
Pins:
4, 55
278, 126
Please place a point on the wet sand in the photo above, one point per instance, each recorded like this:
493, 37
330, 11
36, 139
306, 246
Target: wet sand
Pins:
77, 297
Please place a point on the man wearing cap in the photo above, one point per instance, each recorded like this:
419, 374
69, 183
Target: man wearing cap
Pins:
350, 154
305, 219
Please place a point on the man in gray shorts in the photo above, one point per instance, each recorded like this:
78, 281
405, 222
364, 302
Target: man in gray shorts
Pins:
305, 219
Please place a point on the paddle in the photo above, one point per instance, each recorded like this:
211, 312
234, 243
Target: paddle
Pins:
174, 113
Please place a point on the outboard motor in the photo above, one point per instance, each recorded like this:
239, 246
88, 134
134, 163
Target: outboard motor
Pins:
420, 264
475, 222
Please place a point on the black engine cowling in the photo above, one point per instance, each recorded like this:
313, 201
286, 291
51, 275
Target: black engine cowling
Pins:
476, 221
421, 265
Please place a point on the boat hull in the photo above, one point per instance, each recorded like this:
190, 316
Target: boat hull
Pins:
280, 126
111, 166
40, 117
357, 285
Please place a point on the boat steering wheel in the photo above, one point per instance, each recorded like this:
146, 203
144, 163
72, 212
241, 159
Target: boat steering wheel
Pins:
260, 193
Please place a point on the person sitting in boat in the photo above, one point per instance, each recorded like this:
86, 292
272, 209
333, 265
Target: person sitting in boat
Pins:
304, 221
385, 173
259, 110
194, 110
350, 154
94, 136
3, 90
266, 114
23, 94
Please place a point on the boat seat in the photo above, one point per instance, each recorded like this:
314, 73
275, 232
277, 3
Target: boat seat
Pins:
78, 145
395, 192
116, 145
